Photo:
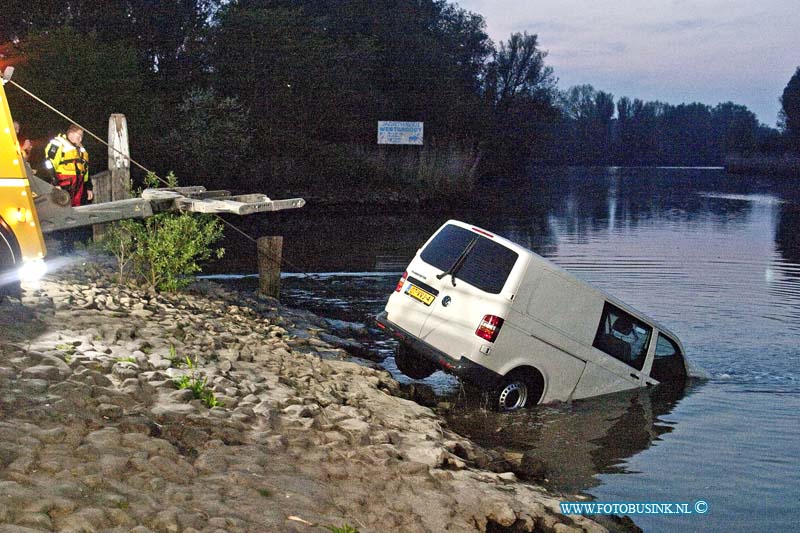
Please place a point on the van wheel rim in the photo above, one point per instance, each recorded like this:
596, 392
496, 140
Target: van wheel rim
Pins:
513, 396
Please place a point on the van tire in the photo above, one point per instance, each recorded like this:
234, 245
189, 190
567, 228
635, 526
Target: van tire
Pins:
518, 389
412, 364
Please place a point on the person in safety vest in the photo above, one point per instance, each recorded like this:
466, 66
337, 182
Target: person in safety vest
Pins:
69, 160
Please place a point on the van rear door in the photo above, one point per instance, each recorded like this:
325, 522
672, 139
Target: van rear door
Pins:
474, 275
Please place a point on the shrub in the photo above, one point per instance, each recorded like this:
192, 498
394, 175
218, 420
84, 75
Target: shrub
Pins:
163, 251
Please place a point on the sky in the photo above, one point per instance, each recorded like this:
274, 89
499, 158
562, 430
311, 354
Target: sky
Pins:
675, 51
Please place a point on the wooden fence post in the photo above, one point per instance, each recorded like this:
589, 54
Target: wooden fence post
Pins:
115, 183
270, 252
119, 162
101, 188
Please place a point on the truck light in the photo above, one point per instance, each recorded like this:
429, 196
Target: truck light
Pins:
489, 327
32, 271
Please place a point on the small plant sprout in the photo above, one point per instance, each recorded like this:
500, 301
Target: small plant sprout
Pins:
347, 528
198, 385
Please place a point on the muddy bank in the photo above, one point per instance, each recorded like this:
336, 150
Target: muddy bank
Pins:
97, 436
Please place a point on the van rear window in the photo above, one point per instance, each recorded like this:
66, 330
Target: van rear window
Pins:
487, 265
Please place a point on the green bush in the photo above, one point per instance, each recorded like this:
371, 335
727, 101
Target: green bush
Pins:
163, 251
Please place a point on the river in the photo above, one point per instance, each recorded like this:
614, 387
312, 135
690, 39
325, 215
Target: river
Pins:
714, 257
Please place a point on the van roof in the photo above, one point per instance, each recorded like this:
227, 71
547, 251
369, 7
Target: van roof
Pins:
552, 266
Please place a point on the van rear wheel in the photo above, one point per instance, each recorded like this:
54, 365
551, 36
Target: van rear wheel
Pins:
412, 364
518, 390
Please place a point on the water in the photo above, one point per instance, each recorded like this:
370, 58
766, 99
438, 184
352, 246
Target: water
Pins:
714, 257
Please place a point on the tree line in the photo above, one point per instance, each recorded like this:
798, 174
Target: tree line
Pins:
288, 93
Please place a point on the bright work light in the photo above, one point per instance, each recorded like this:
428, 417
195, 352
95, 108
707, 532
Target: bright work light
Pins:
32, 271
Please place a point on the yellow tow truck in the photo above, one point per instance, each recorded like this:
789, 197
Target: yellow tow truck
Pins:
31, 207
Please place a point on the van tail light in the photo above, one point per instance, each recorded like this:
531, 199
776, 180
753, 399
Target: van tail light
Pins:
489, 327
400, 283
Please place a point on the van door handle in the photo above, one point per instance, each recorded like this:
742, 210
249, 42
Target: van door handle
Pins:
635, 376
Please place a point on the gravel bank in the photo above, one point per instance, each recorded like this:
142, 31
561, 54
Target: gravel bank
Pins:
97, 436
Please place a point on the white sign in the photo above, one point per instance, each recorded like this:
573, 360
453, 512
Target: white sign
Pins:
391, 132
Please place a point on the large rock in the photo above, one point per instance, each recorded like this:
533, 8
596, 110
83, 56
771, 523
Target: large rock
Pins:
45, 372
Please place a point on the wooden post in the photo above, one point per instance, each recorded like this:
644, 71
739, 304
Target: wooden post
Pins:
270, 252
119, 162
114, 184
101, 188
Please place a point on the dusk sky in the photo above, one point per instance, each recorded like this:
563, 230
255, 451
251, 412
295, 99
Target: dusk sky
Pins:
675, 51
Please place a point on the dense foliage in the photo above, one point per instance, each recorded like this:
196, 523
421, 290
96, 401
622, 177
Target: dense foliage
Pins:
163, 252
286, 94
790, 110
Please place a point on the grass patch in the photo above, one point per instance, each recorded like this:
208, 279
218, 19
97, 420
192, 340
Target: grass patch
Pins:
174, 359
347, 528
68, 349
129, 359
198, 386
266, 493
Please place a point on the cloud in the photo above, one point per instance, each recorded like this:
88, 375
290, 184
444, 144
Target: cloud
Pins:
704, 50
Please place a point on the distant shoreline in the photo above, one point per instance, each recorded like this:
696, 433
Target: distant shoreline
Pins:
787, 166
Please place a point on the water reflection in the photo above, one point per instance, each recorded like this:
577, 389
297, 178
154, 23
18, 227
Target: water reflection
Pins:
783, 274
578, 441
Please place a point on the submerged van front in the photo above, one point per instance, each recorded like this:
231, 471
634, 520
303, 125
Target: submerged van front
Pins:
511, 322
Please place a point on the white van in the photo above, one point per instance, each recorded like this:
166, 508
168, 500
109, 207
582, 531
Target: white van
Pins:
511, 322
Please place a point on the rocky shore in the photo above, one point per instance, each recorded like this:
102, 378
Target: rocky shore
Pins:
276, 431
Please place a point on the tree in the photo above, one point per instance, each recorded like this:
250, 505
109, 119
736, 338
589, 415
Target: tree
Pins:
521, 89
518, 70
790, 110
93, 80
588, 117
211, 140
644, 129
736, 129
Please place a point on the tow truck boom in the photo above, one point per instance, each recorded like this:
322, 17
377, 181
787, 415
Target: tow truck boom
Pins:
55, 213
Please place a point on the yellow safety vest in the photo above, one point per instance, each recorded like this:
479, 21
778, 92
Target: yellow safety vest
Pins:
66, 158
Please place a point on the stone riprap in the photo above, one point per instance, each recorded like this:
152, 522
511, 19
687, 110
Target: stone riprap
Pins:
96, 436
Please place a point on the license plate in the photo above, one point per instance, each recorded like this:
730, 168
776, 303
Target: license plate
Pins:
421, 295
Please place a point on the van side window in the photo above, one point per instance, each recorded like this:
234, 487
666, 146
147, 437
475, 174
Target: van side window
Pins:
487, 266
665, 347
622, 336
668, 363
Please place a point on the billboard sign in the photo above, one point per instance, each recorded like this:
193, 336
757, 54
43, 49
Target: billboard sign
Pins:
392, 132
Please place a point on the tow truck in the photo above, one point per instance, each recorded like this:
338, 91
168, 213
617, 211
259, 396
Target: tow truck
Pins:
31, 207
